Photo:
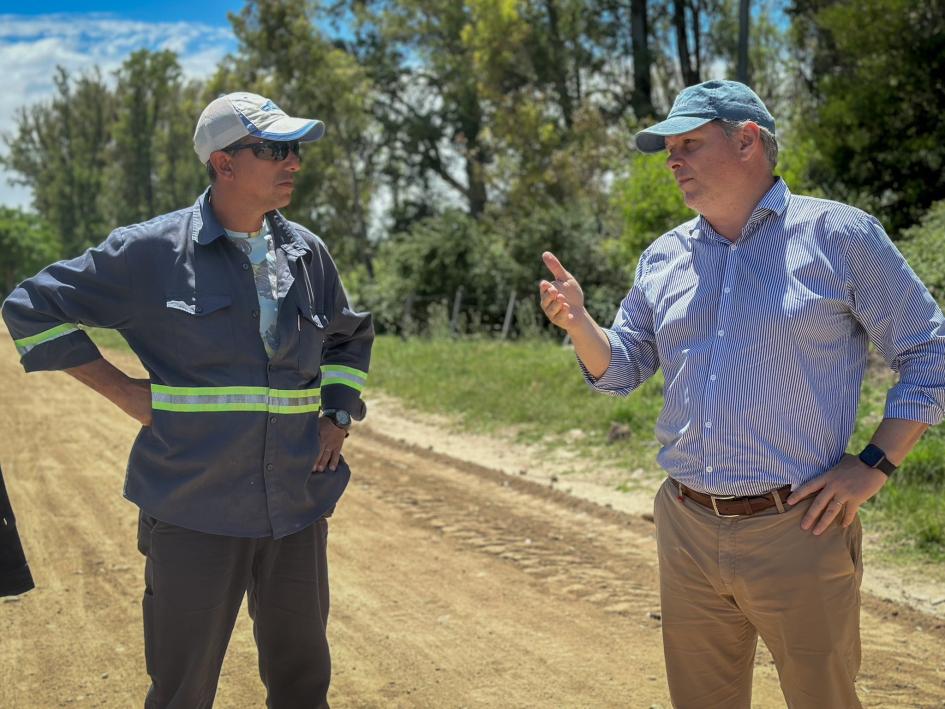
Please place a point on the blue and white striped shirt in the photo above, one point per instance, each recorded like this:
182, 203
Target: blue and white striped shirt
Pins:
763, 341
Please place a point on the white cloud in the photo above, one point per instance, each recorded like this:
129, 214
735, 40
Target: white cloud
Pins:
31, 47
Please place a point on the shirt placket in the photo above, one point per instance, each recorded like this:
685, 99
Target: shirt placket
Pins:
719, 362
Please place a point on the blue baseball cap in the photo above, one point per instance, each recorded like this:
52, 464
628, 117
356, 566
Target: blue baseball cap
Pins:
700, 104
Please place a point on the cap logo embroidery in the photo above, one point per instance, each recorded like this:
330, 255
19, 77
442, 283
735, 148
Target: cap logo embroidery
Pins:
269, 107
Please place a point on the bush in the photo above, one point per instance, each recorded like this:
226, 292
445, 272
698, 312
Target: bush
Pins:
923, 245
490, 258
650, 202
27, 244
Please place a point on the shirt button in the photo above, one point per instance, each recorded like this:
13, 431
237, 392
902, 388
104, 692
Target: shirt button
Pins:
245, 266
255, 313
721, 333
713, 378
268, 466
708, 424
728, 290
708, 468
198, 309
733, 247
272, 419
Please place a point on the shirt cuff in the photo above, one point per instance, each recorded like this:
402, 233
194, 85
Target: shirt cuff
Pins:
913, 404
614, 377
71, 350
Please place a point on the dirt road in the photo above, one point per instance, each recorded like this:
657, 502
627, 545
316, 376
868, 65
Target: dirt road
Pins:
453, 586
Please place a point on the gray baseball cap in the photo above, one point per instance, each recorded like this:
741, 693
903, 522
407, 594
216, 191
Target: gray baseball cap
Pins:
700, 104
233, 116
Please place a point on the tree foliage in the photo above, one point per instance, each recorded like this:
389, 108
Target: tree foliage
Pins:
875, 72
286, 57
465, 137
27, 243
60, 150
152, 169
923, 245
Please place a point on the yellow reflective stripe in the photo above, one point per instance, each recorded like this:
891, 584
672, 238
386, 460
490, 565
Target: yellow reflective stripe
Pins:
340, 374
25, 344
209, 391
234, 398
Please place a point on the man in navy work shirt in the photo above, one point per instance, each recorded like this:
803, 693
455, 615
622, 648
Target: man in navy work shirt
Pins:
760, 312
246, 332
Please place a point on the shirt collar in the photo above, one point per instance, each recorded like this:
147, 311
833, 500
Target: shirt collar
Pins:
206, 228
774, 201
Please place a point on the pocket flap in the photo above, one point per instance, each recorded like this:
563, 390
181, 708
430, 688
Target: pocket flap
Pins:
198, 305
319, 320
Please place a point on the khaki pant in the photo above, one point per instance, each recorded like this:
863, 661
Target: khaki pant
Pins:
724, 581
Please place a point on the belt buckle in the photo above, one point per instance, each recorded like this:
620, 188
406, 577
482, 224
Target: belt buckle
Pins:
715, 507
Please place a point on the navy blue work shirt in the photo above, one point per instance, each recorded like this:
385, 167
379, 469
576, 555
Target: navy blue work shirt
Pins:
234, 434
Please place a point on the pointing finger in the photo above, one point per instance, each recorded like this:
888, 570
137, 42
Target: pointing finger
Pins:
554, 265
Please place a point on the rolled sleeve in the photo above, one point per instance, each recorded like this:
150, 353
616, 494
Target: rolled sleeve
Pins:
43, 313
902, 320
347, 354
633, 354
72, 349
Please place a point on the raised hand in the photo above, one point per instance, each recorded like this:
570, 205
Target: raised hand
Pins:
562, 299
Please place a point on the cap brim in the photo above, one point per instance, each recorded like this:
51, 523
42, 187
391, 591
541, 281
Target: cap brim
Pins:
289, 128
653, 139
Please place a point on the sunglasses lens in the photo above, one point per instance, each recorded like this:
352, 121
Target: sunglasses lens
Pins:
275, 150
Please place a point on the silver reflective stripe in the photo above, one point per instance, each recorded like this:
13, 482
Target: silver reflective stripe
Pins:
308, 400
228, 399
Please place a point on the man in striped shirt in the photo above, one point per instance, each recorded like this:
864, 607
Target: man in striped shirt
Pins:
760, 312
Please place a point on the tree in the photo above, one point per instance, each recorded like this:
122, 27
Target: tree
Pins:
743, 73
283, 55
873, 70
153, 168
27, 244
60, 150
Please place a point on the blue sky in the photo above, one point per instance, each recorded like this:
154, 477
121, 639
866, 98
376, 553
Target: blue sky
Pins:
208, 12
81, 35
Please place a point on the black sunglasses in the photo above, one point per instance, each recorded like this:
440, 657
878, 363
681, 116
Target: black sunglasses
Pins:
276, 150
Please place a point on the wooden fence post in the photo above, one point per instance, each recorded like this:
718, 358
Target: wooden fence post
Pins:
509, 312
457, 303
406, 323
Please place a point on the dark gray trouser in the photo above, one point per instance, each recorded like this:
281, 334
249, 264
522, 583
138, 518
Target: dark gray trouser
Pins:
194, 584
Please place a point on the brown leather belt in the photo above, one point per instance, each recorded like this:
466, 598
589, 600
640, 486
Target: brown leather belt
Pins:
730, 506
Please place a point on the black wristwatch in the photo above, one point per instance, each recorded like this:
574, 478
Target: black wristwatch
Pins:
339, 417
875, 457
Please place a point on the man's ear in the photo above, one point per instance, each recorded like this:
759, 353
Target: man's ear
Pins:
222, 164
749, 140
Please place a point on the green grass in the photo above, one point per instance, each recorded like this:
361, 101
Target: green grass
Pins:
536, 389
108, 339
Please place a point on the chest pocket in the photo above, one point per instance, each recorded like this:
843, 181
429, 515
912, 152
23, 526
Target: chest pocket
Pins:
201, 327
313, 328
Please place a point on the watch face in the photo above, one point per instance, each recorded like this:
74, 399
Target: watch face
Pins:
343, 417
872, 456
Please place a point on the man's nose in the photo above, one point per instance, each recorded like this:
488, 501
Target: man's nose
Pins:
673, 162
293, 162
